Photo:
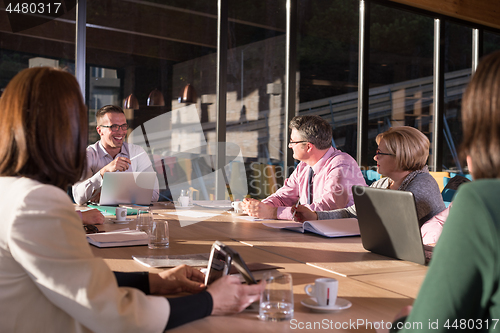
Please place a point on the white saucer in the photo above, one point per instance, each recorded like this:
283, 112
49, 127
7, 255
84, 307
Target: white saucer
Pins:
340, 304
182, 207
121, 222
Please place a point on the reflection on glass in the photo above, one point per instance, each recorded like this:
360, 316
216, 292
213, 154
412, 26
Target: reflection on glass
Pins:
491, 42
185, 161
328, 66
28, 41
255, 90
401, 69
457, 68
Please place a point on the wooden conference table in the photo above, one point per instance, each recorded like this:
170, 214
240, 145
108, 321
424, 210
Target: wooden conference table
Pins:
377, 286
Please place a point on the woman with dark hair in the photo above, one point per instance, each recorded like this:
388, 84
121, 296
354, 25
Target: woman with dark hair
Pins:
401, 157
460, 290
49, 279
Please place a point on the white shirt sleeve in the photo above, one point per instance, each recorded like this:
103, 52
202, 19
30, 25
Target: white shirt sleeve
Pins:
91, 184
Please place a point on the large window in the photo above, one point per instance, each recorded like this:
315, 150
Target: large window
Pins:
328, 66
29, 41
491, 42
457, 73
401, 68
255, 94
157, 60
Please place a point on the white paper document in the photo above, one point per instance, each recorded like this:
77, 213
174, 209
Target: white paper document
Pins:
118, 238
220, 204
327, 228
191, 213
196, 260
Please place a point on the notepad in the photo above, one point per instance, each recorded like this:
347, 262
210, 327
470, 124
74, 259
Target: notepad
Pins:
327, 228
118, 238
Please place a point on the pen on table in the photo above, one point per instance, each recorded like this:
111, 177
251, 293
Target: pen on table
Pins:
296, 205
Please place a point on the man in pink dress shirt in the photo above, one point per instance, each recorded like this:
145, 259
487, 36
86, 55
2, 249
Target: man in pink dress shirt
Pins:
331, 173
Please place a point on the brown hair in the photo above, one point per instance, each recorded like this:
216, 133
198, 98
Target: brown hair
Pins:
408, 144
313, 129
481, 119
43, 127
106, 109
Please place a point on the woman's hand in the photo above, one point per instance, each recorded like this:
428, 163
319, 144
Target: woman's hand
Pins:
231, 296
302, 213
176, 280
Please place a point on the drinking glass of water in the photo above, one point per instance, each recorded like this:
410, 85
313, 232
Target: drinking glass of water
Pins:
159, 235
276, 302
144, 221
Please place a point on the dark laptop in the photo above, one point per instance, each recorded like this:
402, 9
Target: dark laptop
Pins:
388, 223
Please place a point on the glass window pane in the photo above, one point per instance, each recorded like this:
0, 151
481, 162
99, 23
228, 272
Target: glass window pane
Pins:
328, 66
29, 41
157, 59
255, 95
401, 69
457, 73
491, 42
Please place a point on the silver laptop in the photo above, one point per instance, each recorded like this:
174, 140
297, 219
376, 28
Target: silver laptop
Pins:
127, 188
388, 223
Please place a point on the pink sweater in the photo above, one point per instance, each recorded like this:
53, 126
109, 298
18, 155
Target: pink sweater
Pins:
431, 230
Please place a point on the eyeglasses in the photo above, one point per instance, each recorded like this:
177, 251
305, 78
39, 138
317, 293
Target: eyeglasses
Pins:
295, 142
378, 152
115, 127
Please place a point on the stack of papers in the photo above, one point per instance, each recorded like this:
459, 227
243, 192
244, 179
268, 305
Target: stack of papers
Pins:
118, 238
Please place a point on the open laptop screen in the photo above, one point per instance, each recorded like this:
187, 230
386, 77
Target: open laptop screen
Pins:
127, 188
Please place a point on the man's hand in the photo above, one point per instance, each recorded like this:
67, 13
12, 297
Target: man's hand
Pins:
259, 209
230, 296
118, 164
92, 216
302, 213
176, 280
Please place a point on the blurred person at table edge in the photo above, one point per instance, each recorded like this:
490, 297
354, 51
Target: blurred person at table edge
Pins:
401, 157
111, 153
50, 281
460, 289
321, 181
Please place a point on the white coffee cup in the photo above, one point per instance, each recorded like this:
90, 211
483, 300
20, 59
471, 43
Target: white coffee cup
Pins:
121, 213
324, 290
184, 201
237, 207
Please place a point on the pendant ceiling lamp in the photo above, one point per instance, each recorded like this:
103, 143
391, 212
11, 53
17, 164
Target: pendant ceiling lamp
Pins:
188, 94
155, 98
131, 102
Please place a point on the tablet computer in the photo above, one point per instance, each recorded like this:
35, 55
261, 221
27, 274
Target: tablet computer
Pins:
220, 261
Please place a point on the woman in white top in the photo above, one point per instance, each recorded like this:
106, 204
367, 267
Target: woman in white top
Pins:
49, 279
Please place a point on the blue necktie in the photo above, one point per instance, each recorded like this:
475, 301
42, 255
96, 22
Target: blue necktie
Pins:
310, 186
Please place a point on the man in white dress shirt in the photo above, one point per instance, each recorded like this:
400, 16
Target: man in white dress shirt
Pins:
111, 153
